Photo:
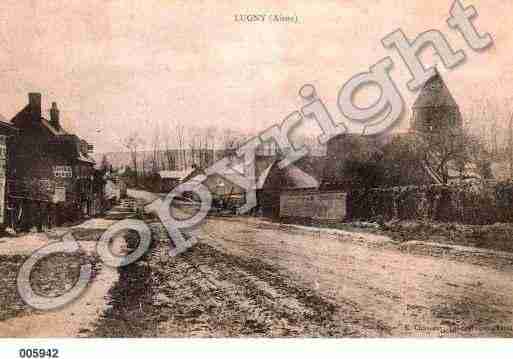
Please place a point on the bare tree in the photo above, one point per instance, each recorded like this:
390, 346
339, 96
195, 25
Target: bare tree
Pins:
194, 145
180, 133
105, 164
231, 140
168, 151
147, 164
155, 155
442, 151
211, 135
132, 143
206, 145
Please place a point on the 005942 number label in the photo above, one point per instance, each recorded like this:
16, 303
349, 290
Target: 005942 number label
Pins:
38, 353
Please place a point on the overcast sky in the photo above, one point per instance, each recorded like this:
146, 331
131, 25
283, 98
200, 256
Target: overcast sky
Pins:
120, 66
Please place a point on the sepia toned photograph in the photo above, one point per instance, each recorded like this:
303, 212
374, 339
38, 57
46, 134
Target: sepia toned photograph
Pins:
257, 169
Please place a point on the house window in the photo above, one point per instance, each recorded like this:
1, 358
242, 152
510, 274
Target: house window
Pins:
429, 124
63, 171
45, 185
3, 151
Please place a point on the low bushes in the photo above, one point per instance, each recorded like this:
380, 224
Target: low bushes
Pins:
471, 203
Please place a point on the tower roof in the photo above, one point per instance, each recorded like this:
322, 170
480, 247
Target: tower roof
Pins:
435, 93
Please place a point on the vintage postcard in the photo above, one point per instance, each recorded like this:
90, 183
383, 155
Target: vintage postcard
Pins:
255, 169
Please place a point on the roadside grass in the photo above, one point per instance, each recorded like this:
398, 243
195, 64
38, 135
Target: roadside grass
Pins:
11, 304
52, 276
498, 236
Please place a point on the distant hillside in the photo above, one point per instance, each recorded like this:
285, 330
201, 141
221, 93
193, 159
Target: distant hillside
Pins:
117, 159
181, 159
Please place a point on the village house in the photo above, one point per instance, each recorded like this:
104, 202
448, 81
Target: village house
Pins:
226, 192
302, 177
168, 180
299, 178
50, 175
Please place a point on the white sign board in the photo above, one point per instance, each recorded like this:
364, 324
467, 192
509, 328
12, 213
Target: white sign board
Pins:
327, 206
112, 190
3, 148
59, 195
63, 171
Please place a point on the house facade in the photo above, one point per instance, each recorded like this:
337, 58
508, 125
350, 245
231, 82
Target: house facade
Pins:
50, 176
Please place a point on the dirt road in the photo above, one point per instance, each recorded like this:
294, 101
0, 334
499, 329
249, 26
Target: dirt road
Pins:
406, 294
249, 277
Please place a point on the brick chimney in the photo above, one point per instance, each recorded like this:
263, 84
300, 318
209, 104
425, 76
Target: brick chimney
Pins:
35, 106
54, 116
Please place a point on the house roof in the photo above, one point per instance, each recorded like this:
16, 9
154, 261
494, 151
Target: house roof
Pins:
59, 134
263, 176
300, 175
296, 178
434, 93
8, 126
85, 159
55, 131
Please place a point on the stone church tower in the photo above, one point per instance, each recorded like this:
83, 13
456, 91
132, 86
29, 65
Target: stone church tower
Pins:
435, 110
